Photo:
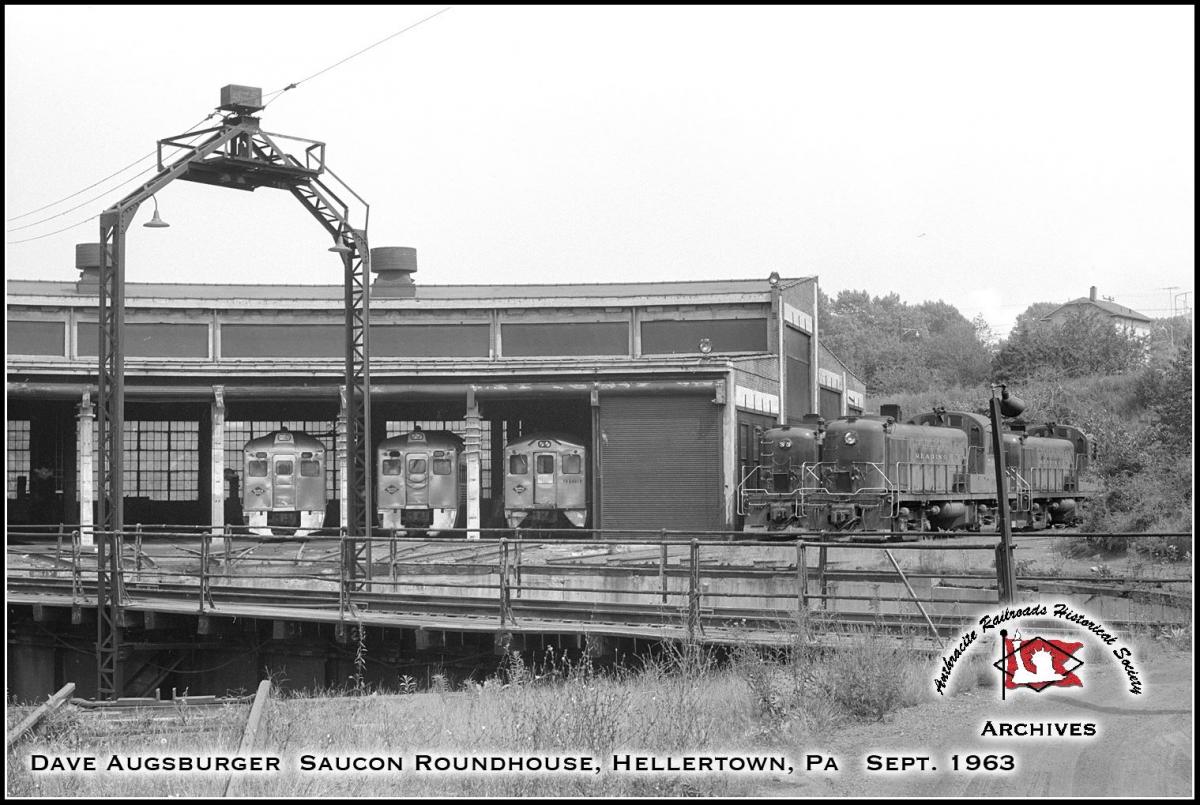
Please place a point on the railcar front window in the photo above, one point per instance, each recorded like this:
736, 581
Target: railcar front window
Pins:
310, 468
391, 466
284, 468
257, 469
416, 466
572, 465
441, 466
545, 465
518, 465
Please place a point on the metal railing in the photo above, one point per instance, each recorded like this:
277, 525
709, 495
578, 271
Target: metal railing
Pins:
698, 583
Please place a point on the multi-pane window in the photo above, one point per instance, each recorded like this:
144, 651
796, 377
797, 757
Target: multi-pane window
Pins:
16, 463
162, 459
459, 428
238, 432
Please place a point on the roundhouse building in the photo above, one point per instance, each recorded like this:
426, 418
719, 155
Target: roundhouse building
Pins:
666, 383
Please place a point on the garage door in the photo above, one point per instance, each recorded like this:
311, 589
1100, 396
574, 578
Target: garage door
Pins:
661, 462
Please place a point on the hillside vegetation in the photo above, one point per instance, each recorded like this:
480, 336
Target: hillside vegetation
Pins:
1133, 395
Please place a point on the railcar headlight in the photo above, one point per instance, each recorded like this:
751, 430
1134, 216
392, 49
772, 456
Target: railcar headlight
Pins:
784, 444
850, 438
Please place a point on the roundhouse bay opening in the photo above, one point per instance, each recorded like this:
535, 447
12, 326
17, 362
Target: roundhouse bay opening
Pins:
567, 417
305, 478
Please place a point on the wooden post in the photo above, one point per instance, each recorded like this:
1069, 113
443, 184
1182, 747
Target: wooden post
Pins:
251, 732
31, 721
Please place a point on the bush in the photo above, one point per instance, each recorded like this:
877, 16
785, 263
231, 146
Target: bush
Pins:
864, 678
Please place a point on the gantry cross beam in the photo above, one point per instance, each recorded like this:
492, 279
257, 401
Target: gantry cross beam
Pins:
239, 155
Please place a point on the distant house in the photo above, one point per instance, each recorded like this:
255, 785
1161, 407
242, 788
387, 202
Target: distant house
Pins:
1123, 318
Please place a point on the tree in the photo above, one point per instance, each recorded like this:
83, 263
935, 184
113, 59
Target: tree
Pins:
983, 331
1171, 402
1083, 344
1034, 314
896, 347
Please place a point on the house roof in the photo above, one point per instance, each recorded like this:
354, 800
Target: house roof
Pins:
1111, 308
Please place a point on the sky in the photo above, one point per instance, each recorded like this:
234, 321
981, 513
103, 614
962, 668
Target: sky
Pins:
990, 157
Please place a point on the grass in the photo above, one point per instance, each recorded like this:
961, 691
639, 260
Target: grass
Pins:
675, 701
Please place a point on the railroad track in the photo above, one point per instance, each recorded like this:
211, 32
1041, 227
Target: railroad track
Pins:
719, 624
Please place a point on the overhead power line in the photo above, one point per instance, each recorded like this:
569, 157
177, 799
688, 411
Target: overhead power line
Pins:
89, 187
274, 96
81, 190
89, 201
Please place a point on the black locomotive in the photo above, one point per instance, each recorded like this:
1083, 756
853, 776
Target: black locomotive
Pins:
933, 472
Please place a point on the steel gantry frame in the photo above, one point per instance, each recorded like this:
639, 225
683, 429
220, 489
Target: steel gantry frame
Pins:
239, 155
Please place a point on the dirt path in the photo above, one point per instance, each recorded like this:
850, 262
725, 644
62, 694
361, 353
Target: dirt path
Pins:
1144, 745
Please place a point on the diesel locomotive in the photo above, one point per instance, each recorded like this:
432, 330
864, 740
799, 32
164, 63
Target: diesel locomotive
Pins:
417, 481
283, 488
934, 472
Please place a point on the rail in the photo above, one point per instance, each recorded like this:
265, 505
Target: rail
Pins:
615, 582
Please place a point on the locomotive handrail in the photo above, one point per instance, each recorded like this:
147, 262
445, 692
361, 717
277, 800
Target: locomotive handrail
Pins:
1022, 490
888, 487
745, 491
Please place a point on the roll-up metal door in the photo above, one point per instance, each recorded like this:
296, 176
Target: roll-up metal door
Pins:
660, 460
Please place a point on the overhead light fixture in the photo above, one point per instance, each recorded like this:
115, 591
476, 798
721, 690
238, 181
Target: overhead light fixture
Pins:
1010, 404
773, 279
340, 248
156, 222
705, 345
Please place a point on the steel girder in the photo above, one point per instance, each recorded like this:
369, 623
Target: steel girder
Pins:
240, 155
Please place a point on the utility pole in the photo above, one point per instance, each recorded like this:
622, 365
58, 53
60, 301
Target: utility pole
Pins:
1003, 405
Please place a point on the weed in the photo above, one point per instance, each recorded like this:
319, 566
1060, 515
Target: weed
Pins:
360, 660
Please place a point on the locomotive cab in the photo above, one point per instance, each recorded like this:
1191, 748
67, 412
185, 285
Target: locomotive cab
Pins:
545, 476
284, 483
784, 451
769, 494
418, 481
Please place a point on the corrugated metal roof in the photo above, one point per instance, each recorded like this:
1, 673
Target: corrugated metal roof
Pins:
466, 292
1111, 308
